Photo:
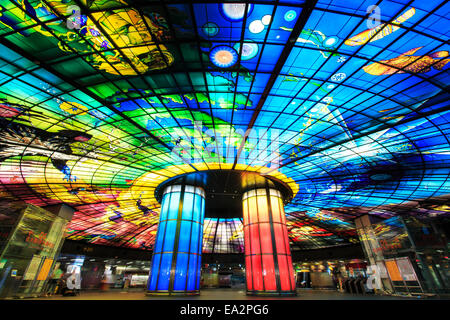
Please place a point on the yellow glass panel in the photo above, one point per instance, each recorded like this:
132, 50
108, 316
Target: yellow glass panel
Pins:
252, 210
282, 213
245, 211
275, 209
263, 210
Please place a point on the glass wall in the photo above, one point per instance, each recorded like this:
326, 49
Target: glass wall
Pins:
28, 256
409, 254
332, 274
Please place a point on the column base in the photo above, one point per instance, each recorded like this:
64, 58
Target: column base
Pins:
272, 293
173, 293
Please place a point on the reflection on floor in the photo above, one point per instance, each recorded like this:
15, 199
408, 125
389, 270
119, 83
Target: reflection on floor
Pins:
220, 294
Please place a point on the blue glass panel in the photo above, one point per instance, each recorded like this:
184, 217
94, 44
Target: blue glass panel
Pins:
192, 272
181, 272
164, 271
185, 236
164, 207
160, 237
154, 272
202, 210
198, 208
188, 206
195, 237
173, 205
199, 248
169, 236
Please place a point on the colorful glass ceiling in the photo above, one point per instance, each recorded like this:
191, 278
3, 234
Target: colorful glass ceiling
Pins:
345, 101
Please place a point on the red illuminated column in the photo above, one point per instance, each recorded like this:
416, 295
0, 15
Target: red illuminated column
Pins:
267, 254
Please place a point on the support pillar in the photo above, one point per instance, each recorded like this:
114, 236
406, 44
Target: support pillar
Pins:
176, 263
268, 258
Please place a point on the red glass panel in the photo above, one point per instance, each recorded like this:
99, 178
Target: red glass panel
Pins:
269, 272
266, 238
279, 238
248, 273
291, 272
284, 272
286, 239
246, 240
254, 239
257, 273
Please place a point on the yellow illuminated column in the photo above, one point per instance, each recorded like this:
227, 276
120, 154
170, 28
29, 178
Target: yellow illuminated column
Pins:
267, 254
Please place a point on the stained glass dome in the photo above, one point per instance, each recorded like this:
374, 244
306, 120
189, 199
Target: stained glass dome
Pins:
344, 101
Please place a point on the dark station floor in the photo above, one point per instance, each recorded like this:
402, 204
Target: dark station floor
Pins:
221, 294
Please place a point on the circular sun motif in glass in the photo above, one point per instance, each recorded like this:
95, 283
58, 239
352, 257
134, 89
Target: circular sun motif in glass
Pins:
235, 11
223, 56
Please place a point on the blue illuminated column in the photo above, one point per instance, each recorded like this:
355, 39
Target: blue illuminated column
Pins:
177, 253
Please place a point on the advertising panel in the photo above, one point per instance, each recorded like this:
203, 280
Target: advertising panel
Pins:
406, 269
43, 274
382, 270
32, 268
394, 272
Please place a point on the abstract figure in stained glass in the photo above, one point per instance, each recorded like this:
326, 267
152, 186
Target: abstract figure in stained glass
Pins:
100, 32
19, 139
20, 112
128, 29
73, 108
409, 63
319, 39
145, 210
380, 31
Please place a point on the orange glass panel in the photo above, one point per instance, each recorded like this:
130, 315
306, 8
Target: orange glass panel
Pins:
393, 271
43, 274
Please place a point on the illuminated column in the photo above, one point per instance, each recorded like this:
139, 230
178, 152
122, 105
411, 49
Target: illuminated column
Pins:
176, 262
267, 254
